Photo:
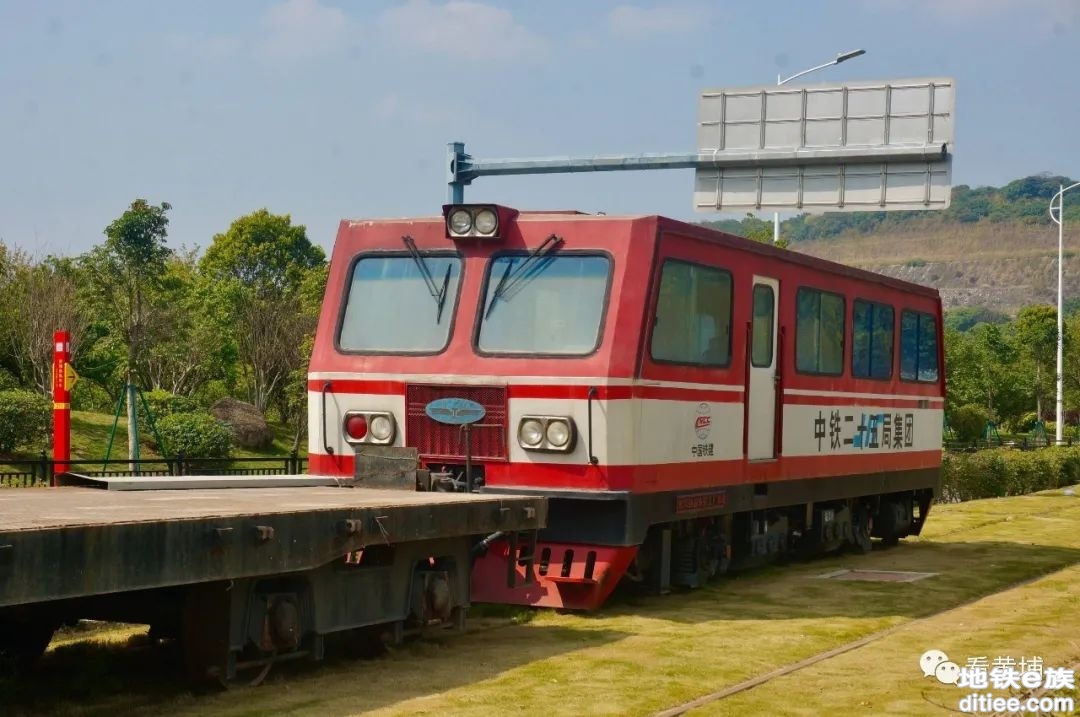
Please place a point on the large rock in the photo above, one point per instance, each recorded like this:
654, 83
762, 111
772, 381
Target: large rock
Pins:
248, 425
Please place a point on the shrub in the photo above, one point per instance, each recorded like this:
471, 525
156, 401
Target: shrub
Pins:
1000, 472
162, 404
24, 419
8, 380
1026, 422
195, 435
969, 421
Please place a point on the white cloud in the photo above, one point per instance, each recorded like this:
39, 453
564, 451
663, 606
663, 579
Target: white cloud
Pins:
289, 31
299, 29
631, 20
459, 28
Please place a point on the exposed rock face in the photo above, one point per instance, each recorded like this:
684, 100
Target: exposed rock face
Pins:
1000, 266
247, 424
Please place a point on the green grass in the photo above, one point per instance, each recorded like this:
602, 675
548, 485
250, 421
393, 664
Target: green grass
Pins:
643, 654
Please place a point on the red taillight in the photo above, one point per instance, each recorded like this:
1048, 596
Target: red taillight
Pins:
356, 427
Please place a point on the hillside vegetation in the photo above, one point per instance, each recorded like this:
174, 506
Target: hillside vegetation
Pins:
994, 247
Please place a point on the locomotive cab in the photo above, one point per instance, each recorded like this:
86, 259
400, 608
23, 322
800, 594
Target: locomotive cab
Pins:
683, 397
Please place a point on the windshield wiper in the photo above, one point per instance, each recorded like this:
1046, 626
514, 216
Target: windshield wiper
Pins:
442, 294
534, 263
436, 293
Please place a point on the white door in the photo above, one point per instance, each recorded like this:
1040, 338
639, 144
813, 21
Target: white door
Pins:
761, 416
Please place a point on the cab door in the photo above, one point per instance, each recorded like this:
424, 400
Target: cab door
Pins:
762, 380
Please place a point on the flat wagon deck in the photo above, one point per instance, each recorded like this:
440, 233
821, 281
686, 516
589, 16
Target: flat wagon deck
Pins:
242, 574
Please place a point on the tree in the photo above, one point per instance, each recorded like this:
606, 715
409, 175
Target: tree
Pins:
982, 367
1036, 331
761, 231
255, 271
294, 407
965, 318
40, 298
121, 274
186, 349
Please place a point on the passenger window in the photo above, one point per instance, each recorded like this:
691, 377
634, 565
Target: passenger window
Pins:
819, 332
693, 315
872, 340
761, 329
918, 347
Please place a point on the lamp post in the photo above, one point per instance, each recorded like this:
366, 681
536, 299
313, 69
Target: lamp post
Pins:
841, 57
1060, 221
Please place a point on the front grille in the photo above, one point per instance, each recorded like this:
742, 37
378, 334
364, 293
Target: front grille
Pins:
436, 440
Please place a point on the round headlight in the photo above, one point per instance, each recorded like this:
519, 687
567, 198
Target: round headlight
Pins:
531, 433
381, 428
460, 221
558, 433
486, 221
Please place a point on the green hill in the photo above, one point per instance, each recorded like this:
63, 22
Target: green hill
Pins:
1021, 201
994, 247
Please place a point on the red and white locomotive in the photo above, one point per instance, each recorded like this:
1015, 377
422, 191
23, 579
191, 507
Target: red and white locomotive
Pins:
686, 399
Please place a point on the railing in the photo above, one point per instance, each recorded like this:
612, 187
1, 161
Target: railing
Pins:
1023, 443
40, 471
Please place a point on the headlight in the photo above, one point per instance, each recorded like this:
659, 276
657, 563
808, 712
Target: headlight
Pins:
381, 428
531, 433
558, 433
485, 221
461, 221
554, 434
369, 427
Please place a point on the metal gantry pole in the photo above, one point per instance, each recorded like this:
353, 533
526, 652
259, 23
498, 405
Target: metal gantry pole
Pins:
1059, 415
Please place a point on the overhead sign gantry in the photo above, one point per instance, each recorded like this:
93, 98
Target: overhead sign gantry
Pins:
867, 146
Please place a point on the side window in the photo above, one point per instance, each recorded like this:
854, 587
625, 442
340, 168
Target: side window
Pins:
819, 332
872, 340
918, 347
761, 330
693, 315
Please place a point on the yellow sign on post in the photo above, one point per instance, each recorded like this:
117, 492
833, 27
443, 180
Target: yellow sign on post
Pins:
70, 377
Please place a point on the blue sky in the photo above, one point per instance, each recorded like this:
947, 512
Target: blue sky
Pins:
326, 109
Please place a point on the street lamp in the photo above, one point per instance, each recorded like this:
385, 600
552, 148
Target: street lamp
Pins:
1060, 221
840, 57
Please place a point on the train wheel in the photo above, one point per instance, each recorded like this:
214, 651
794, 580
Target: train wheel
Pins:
861, 530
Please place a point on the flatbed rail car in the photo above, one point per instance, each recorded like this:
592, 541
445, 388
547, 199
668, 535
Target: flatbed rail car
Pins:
688, 400
243, 576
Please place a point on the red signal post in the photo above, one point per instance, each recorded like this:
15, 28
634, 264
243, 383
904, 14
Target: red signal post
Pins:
63, 378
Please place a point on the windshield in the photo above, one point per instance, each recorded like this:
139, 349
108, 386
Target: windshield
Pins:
400, 303
543, 304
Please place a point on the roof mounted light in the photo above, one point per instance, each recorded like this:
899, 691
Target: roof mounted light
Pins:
477, 221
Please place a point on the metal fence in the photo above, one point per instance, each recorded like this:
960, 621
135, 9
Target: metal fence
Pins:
40, 471
1024, 443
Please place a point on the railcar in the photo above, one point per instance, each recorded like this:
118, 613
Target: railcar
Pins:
686, 400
